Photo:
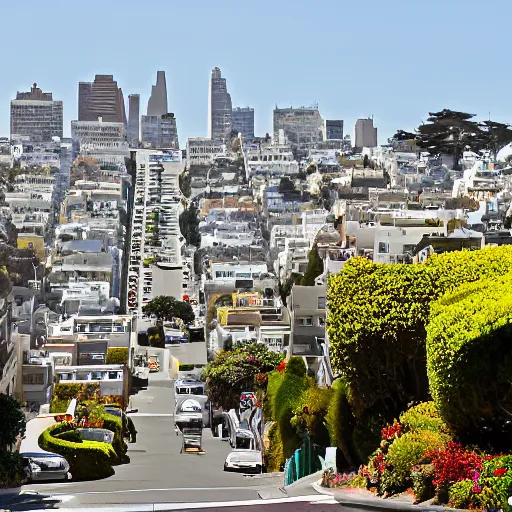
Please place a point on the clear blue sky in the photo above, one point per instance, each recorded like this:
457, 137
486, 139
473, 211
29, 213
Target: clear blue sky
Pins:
394, 60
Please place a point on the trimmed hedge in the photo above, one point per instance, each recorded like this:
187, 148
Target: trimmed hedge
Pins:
70, 435
117, 355
88, 460
341, 422
470, 361
296, 366
377, 322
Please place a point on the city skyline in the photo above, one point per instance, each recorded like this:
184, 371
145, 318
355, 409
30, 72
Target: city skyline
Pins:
398, 91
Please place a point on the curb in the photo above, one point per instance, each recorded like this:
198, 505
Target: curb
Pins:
321, 490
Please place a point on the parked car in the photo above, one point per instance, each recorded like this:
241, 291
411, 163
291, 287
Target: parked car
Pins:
244, 461
45, 466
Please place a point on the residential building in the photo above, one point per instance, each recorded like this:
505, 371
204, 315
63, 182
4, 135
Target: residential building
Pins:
157, 103
256, 317
307, 307
101, 98
8, 350
366, 134
243, 121
36, 116
202, 151
219, 108
134, 120
159, 131
301, 126
269, 159
333, 129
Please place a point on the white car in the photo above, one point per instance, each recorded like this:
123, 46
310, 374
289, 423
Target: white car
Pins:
244, 461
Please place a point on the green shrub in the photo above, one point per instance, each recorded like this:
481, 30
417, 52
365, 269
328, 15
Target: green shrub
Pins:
495, 492
377, 320
286, 401
422, 482
70, 435
117, 355
59, 405
274, 457
367, 434
114, 424
296, 366
310, 414
275, 380
186, 367
409, 450
88, 460
68, 391
341, 422
11, 469
460, 494
469, 357
423, 416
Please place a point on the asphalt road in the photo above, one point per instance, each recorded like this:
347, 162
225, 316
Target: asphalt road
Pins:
158, 473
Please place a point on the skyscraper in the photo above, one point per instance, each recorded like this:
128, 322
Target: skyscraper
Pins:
101, 98
302, 126
219, 108
366, 134
157, 103
333, 129
243, 121
133, 119
36, 115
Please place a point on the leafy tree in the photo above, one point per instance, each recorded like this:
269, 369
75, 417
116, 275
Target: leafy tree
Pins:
315, 267
403, 135
286, 185
449, 132
185, 181
495, 136
189, 225
286, 287
167, 308
13, 421
234, 371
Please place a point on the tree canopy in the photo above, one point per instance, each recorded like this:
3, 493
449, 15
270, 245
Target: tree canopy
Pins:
450, 132
13, 421
189, 225
167, 308
315, 267
233, 371
286, 185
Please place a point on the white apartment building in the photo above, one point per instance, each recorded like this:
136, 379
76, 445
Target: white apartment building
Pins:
271, 159
294, 258
229, 273
202, 151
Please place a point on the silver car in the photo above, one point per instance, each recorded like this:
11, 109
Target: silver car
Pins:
45, 466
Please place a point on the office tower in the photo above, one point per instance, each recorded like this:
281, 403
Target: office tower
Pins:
134, 120
366, 134
159, 131
157, 103
36, 115
243, 121
219, 108
333, 129
302, 126
101, 98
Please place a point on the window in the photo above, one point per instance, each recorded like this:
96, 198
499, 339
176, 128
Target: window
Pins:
321, 302
321, 321
383, 248
33, 378
307, 320
408, 248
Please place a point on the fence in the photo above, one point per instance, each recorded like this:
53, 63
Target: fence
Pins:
305, 461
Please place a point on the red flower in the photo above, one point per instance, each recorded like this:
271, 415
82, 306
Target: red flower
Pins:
281, 366
391, 431
453, 464
500, 471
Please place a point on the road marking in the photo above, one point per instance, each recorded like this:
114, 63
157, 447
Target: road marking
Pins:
151, 415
